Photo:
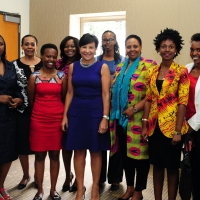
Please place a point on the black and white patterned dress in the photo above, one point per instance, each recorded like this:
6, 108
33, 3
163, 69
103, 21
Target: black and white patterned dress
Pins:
24, 112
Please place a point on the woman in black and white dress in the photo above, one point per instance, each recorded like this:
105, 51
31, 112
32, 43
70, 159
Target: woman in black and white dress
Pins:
24, 67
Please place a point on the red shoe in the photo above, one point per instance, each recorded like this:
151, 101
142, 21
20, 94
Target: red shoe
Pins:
6, 196
1, 198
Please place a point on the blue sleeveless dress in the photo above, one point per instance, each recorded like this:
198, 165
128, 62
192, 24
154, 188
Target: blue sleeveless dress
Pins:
86, 110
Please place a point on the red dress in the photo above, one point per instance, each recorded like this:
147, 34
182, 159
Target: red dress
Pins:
47, 113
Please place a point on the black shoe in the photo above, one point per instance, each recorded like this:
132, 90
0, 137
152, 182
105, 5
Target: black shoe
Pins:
73, 188
114, 187
38, 196
65, 188
84, 193
22, 186
56, 196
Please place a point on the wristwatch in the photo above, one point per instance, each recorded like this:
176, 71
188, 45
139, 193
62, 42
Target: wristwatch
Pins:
177, 133
106, 117
134, 109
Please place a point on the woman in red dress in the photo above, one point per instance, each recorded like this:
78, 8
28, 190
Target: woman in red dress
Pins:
46, 90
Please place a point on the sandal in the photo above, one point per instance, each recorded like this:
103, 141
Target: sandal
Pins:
6, 196
1, 198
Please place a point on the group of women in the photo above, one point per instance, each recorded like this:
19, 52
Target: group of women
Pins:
134, 107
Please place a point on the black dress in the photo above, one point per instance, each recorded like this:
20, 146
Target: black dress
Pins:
24, 112
8, 86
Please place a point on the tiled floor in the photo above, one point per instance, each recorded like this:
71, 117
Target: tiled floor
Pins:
15, 175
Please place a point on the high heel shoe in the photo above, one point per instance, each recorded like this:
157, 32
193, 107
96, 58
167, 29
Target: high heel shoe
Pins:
5, 194
84, 193
23, 185
38, 196
55, 196
65, 188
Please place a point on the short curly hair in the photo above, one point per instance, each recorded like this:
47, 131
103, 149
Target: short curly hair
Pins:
171, 35
195, 37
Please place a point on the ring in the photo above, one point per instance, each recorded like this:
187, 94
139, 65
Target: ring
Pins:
126, 116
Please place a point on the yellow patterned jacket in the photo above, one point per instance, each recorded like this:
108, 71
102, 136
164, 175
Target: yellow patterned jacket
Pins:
164, 106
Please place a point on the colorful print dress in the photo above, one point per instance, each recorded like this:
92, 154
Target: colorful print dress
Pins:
136, 147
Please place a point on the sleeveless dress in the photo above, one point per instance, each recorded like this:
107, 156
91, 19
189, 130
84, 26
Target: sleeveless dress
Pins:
86, 110
47, 113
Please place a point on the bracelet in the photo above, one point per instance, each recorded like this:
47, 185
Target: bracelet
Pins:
106, 117
177, 133
143, 119
134, 109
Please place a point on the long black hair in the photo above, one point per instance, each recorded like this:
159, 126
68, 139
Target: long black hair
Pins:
116, 48
62, 53
4, 52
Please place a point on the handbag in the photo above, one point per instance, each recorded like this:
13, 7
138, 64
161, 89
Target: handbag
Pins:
185, 184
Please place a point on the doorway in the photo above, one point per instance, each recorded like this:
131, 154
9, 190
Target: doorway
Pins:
10, 31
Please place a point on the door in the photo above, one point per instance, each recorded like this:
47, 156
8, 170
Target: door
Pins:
9, 29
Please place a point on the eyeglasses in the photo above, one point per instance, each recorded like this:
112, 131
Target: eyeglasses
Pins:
108, 40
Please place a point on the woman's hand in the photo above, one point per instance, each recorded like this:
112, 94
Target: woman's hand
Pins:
129, 112
103, 127
5, 99
144, 133
176, 139
15, 102
64, 124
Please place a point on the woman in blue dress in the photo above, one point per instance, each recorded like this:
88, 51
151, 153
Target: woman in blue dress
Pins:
86, 112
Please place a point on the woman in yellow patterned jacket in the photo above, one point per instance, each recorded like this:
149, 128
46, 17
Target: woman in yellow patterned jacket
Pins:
164, 112
128, 98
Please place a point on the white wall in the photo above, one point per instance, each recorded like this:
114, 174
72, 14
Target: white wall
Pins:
21, 7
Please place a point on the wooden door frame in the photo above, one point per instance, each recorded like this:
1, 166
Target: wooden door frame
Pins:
15, 15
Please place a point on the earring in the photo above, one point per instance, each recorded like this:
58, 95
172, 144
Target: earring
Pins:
36, 53
22, 52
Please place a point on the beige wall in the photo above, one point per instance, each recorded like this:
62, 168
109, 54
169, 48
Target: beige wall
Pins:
49, 19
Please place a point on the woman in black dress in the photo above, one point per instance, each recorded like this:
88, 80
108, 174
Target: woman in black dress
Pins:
10, 99
24, 67
69, 53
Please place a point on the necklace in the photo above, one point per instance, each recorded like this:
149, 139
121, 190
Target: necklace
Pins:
32, 67
89, 65
163, 76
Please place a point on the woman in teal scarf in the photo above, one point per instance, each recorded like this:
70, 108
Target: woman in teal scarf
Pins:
127, 104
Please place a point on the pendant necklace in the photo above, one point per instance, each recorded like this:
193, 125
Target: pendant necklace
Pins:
163, 76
